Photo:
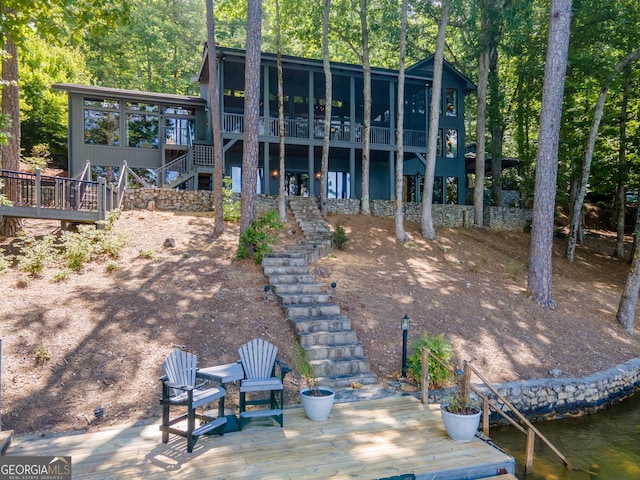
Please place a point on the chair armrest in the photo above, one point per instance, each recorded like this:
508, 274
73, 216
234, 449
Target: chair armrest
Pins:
284, 369
184, 388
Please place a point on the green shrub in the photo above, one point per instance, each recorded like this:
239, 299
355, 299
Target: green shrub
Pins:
230, 208
112, 267
439, 376
3, 200
77, 247
40, 157
147, 253
339, 237
255, 241
5, 263
60, 276
36, 254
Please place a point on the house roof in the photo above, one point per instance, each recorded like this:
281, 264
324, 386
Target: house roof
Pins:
130, 94
418, 71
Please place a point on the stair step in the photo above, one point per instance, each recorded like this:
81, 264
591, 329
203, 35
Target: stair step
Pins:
326, 323
340, 366
289, 288
315, 310
342, 381
308, 340
285, 270
335, 352
304, 298
282, 261
283, 279
260, 413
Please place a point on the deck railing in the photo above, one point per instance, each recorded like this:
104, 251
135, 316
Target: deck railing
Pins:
525, 426
340, 131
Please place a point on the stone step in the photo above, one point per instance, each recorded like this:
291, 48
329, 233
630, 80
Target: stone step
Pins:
340, 366
335, 337
285, 270
285, 288
315, 310
297, 261
335, 352
304, 298
283, 279
344, 381
327, 323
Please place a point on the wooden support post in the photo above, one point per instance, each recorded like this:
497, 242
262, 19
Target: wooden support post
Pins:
424, 381
485, 418
531, 438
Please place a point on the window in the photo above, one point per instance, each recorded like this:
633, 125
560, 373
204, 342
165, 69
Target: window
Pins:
236, 179
439, 147
338, 185
438, 196
451, 102
178, 125
101, 121
452, 143
142, 128
452, 190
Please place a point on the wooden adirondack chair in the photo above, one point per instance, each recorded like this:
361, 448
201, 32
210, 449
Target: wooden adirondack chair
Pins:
258, 358
179, 389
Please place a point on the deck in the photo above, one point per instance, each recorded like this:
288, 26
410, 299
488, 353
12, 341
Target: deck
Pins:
371, 439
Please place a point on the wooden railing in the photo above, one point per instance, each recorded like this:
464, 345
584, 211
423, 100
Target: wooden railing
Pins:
525, 426
340, 131
33, 195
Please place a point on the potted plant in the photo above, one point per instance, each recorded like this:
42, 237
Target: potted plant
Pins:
460, 415
317, 401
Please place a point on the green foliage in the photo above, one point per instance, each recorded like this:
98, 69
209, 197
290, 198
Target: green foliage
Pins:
40, 157
230, 207
112, 266
147, 253
302, 365
4, 126
78, 247
339, 237
60, 275
256, 239
42, 354
439, 376
3, 199
5, 263
36, 255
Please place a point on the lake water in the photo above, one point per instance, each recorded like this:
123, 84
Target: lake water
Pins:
607, 444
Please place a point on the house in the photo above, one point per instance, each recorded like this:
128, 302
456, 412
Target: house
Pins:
171, 134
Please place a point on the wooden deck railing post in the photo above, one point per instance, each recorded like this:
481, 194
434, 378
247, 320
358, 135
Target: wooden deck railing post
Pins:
38, 191
424, 397
101, 199
531, 439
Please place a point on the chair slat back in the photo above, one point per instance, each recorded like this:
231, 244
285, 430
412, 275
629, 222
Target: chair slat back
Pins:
258, 358
180, 367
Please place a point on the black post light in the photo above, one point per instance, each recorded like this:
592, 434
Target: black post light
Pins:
333, 288
405, 331
267, 289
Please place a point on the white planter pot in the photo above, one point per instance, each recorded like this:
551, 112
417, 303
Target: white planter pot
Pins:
317, 408
460, 428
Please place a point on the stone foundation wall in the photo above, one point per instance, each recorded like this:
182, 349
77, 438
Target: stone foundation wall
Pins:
451, 216
555, 398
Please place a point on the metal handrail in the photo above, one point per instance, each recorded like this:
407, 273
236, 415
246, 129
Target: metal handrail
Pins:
528, 429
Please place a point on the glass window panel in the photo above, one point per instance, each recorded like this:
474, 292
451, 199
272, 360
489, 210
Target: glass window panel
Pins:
102, 103
178, 131
451, 101
142, 130
439, 147
177, 110
438, 190
101, 127
142, 107
452, 190
452, 143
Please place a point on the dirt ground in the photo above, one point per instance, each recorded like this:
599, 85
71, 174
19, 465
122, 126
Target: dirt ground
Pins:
107, 332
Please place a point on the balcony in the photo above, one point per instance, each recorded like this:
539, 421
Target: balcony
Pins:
341, 131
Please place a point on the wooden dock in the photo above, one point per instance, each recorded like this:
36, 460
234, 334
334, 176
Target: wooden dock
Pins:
373, 439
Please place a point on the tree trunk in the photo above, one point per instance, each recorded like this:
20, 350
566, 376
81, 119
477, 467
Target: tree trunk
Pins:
627, 308
324, 168
214, 104
251, 115
588, 152
10, 153
366, 127
478, 189
282, 204
401, 235
541, 252
621, 197
496, 123
426, 226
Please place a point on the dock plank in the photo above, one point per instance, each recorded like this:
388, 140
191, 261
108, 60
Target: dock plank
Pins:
367, 439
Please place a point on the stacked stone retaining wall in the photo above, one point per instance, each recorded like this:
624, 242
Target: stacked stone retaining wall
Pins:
556, 398
451, 216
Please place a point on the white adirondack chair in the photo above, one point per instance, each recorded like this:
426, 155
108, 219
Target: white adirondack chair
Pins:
258, 358
179, 389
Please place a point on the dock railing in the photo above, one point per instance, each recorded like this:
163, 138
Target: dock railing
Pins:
525, 426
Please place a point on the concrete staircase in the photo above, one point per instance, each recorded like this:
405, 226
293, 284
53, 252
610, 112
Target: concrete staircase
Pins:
335, 354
